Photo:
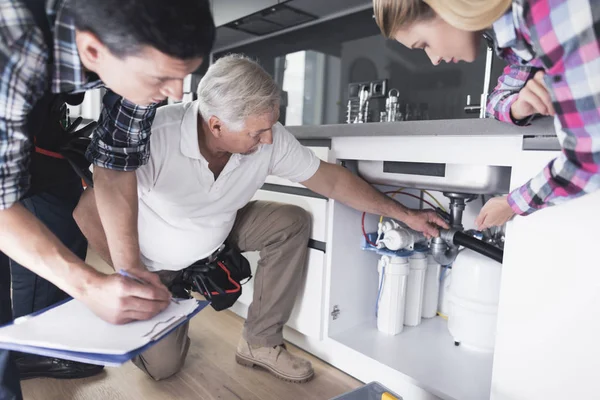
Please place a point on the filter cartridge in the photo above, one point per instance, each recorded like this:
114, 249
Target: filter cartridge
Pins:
414, 289
393, 276
431, 291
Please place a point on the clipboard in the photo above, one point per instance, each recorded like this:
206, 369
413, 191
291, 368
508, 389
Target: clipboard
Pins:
108, 358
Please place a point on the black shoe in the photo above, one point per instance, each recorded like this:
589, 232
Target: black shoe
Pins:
34, 366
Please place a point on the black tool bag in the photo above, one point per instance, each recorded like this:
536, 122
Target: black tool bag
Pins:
58, 151
58, 154
219, 278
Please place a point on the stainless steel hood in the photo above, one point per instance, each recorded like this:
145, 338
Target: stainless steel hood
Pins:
270, 18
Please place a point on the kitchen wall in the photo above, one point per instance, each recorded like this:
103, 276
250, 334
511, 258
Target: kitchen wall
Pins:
343, 50
355, 51
444, 88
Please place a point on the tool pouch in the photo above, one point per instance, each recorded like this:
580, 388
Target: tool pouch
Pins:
219, 278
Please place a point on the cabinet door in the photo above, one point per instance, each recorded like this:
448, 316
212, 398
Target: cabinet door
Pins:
307, 314
317, 209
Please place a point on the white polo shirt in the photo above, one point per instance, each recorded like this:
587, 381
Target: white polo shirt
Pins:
184, 214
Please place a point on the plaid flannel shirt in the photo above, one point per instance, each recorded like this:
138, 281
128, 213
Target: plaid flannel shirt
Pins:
121, 140
561, 38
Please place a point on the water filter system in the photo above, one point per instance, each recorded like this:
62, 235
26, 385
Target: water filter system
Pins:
414, 286
402, 278
391, 235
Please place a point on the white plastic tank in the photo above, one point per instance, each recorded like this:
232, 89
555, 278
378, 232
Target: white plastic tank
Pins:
393, 276
473, 297
431, 291
415, 286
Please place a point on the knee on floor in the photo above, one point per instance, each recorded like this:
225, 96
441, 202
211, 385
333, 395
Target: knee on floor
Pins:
166, 369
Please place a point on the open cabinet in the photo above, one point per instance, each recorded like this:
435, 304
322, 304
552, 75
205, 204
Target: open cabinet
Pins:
425, 355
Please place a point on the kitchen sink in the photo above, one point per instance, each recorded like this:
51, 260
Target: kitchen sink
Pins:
462, 178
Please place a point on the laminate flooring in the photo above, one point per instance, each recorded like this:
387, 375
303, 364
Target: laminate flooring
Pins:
210, 372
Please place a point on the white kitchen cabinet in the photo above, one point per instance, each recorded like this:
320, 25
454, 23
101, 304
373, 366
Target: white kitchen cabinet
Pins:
316, 207
308, 311
547, 339
307, 315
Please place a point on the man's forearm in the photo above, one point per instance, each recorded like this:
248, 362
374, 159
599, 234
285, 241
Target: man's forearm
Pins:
29, 242
358, 194
117, 202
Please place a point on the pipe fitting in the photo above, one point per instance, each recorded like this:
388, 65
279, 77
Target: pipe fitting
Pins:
443, 252
448, 235
452, 239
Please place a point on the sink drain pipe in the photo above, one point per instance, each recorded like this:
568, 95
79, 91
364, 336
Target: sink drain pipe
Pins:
445, 248
479, 246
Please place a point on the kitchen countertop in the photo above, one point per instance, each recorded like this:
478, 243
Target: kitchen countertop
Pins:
539, 136
451, 127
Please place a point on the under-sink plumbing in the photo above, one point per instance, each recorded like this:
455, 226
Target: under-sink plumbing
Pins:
444, 248
442, 252
458, 203
394, 236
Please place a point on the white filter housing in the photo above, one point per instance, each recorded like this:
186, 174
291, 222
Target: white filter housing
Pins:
390, 311
431, 290
473, 297
414, 290
445, 281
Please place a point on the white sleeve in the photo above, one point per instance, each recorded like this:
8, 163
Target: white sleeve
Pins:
291, 160
147, 173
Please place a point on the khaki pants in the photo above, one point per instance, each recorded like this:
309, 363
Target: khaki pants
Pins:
280, 232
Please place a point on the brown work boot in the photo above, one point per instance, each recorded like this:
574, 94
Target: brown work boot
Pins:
277, 360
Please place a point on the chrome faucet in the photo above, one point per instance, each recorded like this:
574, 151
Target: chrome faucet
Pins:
489, 57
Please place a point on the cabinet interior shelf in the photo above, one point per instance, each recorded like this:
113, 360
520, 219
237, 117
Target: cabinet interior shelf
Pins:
427, 354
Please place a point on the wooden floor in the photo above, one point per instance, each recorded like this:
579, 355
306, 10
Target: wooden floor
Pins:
210, 373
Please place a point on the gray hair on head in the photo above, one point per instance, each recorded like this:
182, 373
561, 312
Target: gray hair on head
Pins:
235, 88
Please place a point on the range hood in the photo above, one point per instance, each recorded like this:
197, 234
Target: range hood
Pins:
272, 19
242, 21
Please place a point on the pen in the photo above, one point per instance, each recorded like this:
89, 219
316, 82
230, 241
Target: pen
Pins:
126, 274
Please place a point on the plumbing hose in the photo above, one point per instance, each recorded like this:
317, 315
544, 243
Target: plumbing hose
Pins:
488, 250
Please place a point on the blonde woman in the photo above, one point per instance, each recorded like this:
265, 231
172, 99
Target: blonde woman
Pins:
553, 52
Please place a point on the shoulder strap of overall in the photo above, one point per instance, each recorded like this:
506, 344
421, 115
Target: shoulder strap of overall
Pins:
37, 8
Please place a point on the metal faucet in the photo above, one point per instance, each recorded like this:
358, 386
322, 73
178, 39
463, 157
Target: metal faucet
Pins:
489, 58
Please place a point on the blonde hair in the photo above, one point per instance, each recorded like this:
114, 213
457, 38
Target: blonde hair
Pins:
392, 15
468, 15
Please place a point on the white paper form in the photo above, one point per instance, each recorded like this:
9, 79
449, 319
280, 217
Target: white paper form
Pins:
73, 327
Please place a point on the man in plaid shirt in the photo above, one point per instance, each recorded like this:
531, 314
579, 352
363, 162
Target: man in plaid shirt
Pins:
140, 51
553, 49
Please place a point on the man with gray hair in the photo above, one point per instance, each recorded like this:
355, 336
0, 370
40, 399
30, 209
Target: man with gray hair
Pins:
209, 158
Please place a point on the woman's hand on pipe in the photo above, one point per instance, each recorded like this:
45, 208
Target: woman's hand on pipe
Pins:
496, 212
